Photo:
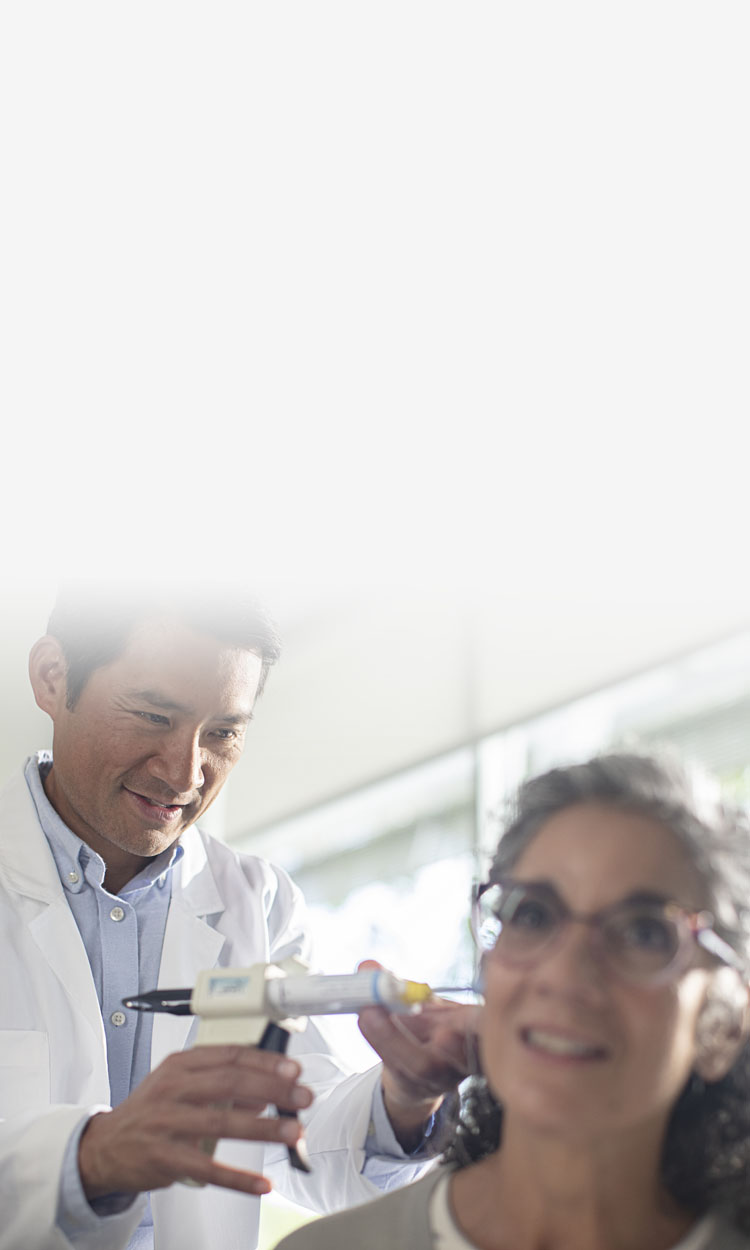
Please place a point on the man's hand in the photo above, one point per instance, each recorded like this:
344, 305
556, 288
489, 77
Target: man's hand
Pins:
424, 1055
154, 1137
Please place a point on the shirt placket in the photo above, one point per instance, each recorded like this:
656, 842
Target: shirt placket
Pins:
119, 945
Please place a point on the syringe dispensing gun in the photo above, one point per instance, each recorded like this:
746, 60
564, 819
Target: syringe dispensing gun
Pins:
262, 1004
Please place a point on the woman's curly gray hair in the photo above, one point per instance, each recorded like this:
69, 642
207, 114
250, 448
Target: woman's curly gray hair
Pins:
706, 1160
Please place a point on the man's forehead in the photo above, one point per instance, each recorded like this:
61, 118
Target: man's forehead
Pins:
177, 663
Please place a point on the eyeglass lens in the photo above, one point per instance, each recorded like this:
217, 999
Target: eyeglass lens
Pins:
640, 939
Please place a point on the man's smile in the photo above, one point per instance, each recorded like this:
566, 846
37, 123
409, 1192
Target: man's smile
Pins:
156, 808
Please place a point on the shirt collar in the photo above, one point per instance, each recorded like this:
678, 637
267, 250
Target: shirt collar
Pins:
76, 862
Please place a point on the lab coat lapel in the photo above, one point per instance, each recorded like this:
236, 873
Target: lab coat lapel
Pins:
43, 904
56, 934
190, 944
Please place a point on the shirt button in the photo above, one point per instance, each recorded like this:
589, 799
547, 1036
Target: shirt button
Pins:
118, 1018
117, 913
73, 878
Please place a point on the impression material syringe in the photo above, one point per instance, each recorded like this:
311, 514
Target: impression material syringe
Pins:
241, 991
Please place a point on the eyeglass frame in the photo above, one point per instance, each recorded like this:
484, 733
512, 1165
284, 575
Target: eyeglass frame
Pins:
700, 925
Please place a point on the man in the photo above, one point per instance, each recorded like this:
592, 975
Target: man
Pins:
108, 887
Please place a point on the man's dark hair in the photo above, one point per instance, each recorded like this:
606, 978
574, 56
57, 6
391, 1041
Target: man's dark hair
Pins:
92, 621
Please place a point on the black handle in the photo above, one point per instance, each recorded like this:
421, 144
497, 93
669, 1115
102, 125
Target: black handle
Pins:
276, 1039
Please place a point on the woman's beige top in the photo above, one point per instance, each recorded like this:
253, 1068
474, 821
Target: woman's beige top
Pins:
447, 1236
418, 1217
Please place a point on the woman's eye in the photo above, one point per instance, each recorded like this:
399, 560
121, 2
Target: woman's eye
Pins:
647, 933
530, 914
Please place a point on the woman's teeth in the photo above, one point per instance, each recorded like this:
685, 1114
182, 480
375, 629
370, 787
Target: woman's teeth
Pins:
555, 1044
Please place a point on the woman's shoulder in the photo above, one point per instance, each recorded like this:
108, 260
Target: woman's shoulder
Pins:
398, 1218
728, 1238
721, 1236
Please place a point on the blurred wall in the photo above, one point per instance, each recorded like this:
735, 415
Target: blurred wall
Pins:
372, 681
385, 685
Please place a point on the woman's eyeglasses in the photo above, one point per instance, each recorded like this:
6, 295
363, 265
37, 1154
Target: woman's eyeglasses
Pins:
643, 940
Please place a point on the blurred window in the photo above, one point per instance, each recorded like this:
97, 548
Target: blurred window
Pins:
387, 871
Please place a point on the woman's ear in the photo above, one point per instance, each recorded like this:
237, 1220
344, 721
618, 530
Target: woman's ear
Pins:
47, 671
723, 1025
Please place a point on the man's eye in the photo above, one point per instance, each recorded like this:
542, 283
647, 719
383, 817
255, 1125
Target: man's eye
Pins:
226, 735
153, 718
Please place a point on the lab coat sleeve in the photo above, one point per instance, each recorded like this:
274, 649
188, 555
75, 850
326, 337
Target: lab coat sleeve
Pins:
32, 1149
336, 1128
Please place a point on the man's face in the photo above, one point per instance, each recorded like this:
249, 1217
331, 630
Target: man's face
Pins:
151, 740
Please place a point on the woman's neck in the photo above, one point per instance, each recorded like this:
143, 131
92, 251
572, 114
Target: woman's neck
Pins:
543, 1193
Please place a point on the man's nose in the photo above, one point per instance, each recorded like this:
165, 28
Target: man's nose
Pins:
179, 764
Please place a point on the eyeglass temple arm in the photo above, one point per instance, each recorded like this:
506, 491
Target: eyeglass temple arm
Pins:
715, 945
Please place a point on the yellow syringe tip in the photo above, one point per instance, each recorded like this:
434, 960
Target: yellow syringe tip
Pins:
416, 992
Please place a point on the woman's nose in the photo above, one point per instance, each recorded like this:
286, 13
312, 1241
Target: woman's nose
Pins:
574, 958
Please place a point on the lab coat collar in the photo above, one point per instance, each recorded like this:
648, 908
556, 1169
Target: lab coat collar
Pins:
193, 881
26, 860
29, 870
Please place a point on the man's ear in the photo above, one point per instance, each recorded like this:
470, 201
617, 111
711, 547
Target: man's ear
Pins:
723, 1025
47, 671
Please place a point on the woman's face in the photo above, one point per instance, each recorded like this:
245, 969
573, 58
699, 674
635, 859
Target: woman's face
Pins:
566, 1045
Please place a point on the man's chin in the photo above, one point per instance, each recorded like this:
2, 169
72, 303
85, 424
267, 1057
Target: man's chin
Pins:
146, 843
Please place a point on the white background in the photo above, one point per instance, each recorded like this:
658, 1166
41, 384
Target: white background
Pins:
379, 304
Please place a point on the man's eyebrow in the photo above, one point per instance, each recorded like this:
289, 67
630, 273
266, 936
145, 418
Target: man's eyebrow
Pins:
157, 699
235, 718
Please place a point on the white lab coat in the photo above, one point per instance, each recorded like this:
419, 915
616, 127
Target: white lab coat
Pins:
53, 1064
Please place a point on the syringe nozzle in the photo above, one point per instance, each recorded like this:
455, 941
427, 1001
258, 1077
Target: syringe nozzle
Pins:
415, 993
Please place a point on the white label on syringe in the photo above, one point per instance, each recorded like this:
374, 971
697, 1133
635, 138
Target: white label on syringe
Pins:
335, 995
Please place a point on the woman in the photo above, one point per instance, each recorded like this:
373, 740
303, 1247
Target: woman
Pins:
613, 1109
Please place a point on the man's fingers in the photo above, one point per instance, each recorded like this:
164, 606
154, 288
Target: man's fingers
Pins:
185, 1122
402, 1054
190, 1163
243, 1082
447, 1027
195, 1096
169, 1144
241, 1057
429, 1064
243, 1089
393, 1036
